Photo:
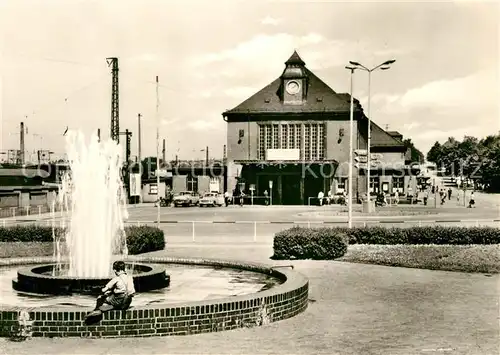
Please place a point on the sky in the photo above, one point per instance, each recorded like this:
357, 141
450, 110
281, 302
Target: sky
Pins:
210, 56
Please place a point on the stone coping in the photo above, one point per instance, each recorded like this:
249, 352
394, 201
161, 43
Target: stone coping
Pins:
280, 302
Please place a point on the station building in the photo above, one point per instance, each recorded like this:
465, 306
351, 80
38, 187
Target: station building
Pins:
291, 138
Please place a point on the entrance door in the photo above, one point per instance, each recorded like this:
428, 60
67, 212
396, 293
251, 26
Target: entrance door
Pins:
312, 186
290, 190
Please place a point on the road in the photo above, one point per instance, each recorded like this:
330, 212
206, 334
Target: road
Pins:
258, 224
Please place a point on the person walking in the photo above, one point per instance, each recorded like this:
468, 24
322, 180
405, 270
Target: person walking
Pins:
226, 198
426, 197
266, 198
242, 200
472, 202
449, 193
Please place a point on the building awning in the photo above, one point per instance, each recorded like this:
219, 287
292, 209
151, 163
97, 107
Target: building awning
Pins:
284, 162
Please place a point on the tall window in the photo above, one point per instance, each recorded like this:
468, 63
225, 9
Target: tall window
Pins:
341, 185
374, 184
284, 136
262, 141
397, 184
309, 138
276, 136
192, 183
314, 142
321, 142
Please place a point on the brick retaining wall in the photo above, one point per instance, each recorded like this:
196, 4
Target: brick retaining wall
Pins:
280, 302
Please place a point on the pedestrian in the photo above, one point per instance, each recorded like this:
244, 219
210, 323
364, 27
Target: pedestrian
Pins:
266, 198
396, 197
449, 193
426, 197
321, 196
442, 194
471, 201
226, 198
242, 196
329, 199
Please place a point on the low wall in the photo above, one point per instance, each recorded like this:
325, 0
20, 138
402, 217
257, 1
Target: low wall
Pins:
280, 302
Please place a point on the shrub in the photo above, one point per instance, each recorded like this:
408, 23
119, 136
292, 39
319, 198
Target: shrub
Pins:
29, 233
309, 243
140, 239
423, 235
143, 239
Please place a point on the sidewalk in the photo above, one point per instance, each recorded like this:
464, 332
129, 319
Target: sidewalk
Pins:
354, 309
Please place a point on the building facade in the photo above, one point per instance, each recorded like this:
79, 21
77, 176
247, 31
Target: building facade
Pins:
291, 140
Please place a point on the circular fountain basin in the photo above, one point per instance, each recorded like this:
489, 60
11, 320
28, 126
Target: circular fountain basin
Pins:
42, 279
169, 316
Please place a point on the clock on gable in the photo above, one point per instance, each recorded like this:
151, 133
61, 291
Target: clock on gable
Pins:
293, 87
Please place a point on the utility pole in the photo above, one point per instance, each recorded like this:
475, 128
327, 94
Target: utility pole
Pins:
21, 143
139, 140
128, 141
115, 106
99, 135
206, 156
163, 152
157, 153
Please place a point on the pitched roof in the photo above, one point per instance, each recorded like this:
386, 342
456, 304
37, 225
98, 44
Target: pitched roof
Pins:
381, 138
320, 98
295, 59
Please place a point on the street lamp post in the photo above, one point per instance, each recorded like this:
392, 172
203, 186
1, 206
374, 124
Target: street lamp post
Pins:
384, 66
351, 133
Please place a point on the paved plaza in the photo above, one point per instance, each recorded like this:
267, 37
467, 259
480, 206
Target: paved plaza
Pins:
354, 309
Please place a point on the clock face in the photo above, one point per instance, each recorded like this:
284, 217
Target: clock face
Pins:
292, 87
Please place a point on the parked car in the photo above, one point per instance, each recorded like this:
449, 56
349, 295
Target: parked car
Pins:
186, 198
212, 199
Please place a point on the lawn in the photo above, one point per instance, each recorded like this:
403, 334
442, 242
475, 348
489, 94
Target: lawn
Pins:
463, 258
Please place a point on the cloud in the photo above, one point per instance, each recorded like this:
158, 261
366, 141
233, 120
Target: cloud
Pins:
241, 92
268, 20
441, 135
472, 92
209, 123
260, 48
145, 57
411, 126
264, 54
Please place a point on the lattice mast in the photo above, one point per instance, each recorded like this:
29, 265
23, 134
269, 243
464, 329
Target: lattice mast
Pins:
115, 104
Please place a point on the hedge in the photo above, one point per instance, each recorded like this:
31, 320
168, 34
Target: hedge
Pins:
143, 239
327, 243
309, 243
421, 235
140, 239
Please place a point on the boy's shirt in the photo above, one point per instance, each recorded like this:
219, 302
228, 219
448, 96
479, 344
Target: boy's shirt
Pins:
121, 284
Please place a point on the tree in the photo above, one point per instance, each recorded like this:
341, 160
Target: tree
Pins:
434, 155
476, 159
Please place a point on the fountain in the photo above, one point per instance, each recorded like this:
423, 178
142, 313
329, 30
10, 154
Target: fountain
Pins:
92, 194
53, 296
94, 197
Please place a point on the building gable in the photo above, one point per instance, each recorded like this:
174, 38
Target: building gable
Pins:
318, 96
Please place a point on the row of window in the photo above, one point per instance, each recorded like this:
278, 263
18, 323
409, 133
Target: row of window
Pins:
397, 184
309, 138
